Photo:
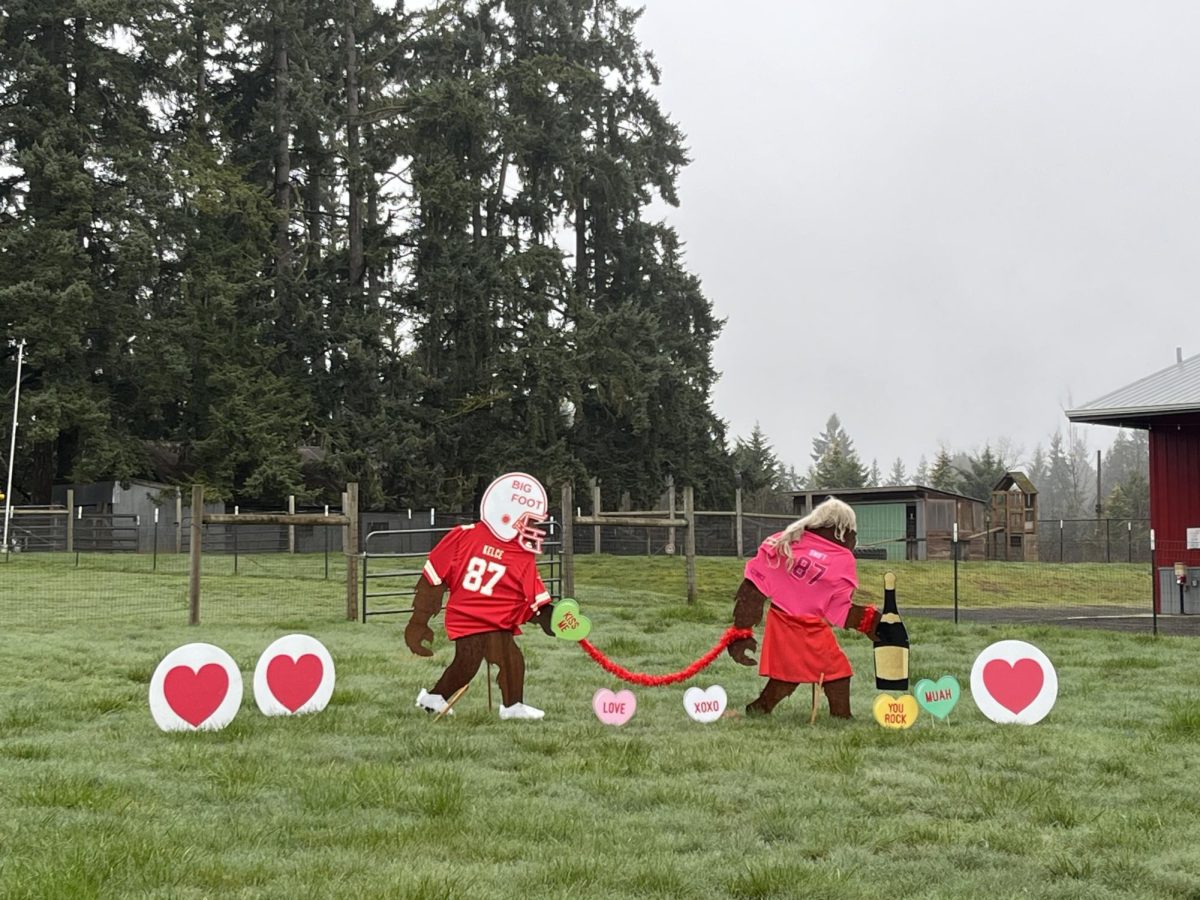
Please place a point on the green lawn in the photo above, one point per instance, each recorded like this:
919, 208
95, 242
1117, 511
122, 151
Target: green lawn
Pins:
372, 799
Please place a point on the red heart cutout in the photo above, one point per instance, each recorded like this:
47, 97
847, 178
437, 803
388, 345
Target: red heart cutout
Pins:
293, 682
1013, 685
194, 696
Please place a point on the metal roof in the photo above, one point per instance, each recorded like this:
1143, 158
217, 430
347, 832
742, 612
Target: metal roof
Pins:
1175, 389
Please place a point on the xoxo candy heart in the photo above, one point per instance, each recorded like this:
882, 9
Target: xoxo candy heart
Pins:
895, 712
614, 709
568, 623
938, 697
705, 705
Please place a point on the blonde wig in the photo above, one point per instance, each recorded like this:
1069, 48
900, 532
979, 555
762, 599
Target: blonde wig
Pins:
833, 513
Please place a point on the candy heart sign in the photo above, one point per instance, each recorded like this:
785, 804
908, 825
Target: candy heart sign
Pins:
195, 687
568, 623
938, 697
1014, 682
895, 712
294, 675
614, 709
705, 705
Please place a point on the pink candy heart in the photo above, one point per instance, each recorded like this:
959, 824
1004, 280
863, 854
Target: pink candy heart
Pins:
614, 709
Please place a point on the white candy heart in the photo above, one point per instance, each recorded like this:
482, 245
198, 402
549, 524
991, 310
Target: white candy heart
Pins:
705, 705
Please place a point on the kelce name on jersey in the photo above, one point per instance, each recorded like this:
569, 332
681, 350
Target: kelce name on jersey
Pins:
493, 552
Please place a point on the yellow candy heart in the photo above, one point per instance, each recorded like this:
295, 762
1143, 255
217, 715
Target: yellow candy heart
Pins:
895, 712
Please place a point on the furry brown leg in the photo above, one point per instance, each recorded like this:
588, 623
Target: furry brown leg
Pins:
502, 650
774, 691
837, 692
468, 654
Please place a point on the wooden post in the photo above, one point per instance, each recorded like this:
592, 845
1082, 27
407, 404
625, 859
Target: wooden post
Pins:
70, 520
689, 542
568, 539
351, 512
345, 528
179, 521
595, 512
738, 521
671, 512
194, 573
291, 528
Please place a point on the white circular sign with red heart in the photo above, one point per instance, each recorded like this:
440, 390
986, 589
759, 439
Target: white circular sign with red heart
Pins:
294, 675
1014, 682
195, 687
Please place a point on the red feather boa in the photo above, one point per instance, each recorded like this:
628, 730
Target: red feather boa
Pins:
730, 635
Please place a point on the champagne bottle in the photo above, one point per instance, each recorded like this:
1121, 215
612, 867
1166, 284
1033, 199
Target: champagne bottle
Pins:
891, 645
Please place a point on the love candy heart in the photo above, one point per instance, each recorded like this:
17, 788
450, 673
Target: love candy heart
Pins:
568, 623
895, 712
614, 709
938, 697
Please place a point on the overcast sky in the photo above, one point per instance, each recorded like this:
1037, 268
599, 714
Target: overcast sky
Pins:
946, 220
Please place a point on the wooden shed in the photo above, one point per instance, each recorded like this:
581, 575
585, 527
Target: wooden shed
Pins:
1166, 404
1013, 533
910, 522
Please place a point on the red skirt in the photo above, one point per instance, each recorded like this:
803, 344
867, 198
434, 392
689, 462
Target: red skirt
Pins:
801, 649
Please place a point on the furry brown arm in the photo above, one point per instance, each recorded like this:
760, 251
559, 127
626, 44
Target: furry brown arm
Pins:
427, 603
747, 613
864, 619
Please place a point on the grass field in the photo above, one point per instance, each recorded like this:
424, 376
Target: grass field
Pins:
371, 799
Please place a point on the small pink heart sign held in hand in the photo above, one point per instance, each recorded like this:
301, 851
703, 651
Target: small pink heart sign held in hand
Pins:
614, 709
195, 687
294, 675
1014, 682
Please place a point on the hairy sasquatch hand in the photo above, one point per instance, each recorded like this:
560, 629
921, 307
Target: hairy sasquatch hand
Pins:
747, 613
427, 603
545, 618
864, 619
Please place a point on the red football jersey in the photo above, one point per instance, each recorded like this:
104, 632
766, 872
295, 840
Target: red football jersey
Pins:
494, 585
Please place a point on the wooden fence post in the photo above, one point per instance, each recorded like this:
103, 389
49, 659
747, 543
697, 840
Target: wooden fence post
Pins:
738, 521
194, 573
70, 520
568, 539
596, 512
689, 541
671, 512
351, 512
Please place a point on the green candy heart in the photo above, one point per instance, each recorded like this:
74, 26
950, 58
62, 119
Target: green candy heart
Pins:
568, 623
938, 697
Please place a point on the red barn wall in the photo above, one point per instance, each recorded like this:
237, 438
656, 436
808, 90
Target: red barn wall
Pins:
1174, 490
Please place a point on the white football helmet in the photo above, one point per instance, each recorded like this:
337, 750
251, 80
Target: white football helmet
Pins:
512, 505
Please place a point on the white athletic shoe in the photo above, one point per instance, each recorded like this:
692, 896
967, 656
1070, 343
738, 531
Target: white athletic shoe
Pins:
520, 711
433, 703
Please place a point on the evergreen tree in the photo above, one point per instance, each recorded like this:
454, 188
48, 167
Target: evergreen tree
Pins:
874, 475
944, 476
921, 475
897, 476
982, 472
835, 461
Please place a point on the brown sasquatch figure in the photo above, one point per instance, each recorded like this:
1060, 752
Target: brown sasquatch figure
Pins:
490, 570
807, 572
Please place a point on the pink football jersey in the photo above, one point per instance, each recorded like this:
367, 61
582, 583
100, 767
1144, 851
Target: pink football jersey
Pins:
820, 581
